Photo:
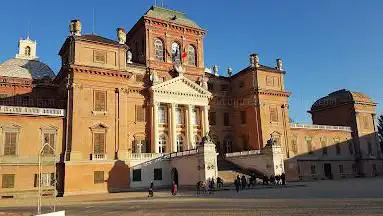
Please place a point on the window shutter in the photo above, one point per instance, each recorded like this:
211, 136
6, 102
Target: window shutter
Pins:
100, 101
10, 143
99, 143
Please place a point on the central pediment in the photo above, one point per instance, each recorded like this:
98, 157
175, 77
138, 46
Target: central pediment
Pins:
181, 85
180, 90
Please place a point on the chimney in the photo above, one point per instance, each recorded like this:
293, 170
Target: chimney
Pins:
254, 60
121, 35
279, 64
75, 27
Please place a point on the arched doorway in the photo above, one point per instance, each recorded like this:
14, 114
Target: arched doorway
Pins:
175, 176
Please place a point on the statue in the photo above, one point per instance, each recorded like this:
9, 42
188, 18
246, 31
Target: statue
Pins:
121, 35
254, 60
207, 138
215, 70
229, 71
279, 64
129, 57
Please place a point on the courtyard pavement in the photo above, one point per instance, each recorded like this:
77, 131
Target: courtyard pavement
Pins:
339, 197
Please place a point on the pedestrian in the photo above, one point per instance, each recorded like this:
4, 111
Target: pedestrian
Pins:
199, 186
151, 189
272, 179
239, 181
236, 183
277, 179
244, 182
283, 177
174, 189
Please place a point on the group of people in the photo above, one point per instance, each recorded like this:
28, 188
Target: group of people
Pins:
208, 185
241, 182
278, 179
174, 189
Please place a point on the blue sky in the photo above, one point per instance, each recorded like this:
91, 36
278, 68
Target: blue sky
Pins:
326, 45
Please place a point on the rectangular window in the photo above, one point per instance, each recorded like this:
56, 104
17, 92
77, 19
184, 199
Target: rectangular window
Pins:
162, 115
137, 175
241, 84
309, 145
243, 117
99, 100
366, 122
49, 138
10, 143
294, 145
324, 146
140, 113
269, 81
8, 181
158, 174
273, 114
226, 119
47, 180
341, 169
98, 177
313, 169
224, 87
100, 56
99, 142
139, 146
212, 118
179, 116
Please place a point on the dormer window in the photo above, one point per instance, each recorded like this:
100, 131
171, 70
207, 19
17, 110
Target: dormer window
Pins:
27, 51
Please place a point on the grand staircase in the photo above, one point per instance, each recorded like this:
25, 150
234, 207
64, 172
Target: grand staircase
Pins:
228, 170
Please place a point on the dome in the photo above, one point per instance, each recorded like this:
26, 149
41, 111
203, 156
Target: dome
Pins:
342, 97
25, 68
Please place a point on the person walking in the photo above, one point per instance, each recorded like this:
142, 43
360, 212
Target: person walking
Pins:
237, 183
151, 189
283, 178
174, 189
243, 182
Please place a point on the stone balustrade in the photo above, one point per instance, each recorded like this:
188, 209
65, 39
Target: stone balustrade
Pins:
34, 111
242, 153
320, 127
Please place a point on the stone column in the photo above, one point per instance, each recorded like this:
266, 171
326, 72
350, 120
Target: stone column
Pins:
190, 127
173, 127
205, 124
155, 127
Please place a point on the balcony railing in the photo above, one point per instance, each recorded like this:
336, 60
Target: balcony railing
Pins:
251, 152
143, 156
98, 157
35, 111
320, 127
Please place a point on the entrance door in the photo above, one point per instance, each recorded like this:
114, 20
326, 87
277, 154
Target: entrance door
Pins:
327, 170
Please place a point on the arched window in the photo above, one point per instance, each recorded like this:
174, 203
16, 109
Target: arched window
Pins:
180, 143
27, 51
197, 141
162, 144
176, 52
192, 56
158, 49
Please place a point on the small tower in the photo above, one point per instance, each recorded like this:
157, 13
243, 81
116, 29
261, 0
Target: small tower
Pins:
215, 70
27, 49
229, 71
279, 64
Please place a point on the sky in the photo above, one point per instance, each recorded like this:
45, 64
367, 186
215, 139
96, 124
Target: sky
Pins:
325, 45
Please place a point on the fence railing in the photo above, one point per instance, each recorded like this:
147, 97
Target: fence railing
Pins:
242, 153
32, 111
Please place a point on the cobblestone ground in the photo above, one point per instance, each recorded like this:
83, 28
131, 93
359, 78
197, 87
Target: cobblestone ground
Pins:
342, 197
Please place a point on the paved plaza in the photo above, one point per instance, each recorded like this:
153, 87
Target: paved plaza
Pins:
339, 197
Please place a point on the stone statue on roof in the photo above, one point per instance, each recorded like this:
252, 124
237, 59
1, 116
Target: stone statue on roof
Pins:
129, 57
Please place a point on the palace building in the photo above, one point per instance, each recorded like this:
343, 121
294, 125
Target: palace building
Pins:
122, 113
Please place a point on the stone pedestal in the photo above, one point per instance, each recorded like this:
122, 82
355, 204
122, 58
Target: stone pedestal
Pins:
207, 161
275, 152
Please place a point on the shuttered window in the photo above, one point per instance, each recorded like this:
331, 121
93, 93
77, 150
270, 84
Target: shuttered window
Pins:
100, 56
99, 143
273, 114
10, 143
140, 113
8, 181
100, 100
98, 177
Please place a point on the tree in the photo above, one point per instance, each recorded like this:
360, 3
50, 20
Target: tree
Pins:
380, 131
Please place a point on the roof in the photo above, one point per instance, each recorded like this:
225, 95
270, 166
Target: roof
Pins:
341, 97
168, 15
96, 38
24, 68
